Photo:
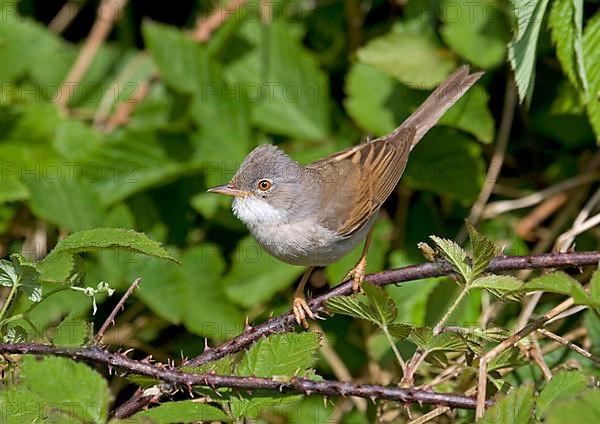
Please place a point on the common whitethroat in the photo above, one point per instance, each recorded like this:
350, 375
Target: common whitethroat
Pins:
313, 215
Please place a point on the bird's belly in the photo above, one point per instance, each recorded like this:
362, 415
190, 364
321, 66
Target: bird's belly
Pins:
305, 243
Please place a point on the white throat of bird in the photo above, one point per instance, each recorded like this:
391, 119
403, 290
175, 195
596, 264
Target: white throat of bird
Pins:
253, 210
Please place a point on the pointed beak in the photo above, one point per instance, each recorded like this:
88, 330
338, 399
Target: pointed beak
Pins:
227, 190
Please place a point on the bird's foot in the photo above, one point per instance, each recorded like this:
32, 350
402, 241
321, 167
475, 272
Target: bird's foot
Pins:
357, 275
301, 309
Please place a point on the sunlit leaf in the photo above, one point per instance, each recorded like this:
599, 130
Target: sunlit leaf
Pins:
558, 282
182, 411
522, 49
482, 249
399, 331
498, 282
352, 307
591, 52
454, 254
515, 408
410, 53
381, 303
583, 408
566, 22
564, 384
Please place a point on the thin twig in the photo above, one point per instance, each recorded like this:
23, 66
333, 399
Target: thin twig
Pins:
570, 336
526, 226
294, 385
538, 357
563, 341
118, 307
125, 109
497, 208
566, 238
206, 25
108, 13
121, 82
65, 16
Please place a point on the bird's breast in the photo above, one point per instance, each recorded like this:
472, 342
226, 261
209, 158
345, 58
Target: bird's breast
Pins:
299, 242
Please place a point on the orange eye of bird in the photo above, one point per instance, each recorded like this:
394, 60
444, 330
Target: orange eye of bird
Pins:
264, 185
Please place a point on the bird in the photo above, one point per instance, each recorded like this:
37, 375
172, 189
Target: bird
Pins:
313, 215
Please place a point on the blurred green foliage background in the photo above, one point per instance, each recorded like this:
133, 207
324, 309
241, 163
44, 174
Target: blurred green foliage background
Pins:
160, 116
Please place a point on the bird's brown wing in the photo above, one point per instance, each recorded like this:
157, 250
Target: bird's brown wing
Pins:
356, 181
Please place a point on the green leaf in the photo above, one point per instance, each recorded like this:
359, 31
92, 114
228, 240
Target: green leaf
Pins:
67, 141
566, 22
223, 366
448, 163
256, 276
510, 358
28, 48
379, 104
174, 53
482, 250
59, 264
561, 283
476, 30
369, 91
472, 115
410, 53
444, 342
182, 411
437, 359
498, 282
111, 238
454, 254
280, 355
29, 277
411, 297
352, 307
69, 386
65, 202
206, 309
585, 408
133, 161
591, 52
23, 274
8, 274
564, 384
20, 406
72, 332
224, 144
515, 408
282, 80
381, 303
399, 331
447, 342
522, 48
168, 301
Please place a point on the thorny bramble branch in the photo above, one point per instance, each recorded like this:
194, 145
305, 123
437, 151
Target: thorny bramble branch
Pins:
287, 322
185, 380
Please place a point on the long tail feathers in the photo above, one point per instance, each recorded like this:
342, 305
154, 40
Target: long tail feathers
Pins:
438, 102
